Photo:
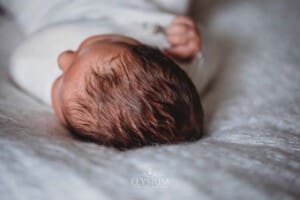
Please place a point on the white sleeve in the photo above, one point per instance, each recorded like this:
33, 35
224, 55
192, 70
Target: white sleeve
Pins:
33, 65
29, 14
33, 72
179, 7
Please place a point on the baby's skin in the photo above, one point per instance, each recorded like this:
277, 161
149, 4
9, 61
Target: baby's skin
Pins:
182, 35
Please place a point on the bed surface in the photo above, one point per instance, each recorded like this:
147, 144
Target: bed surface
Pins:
251, 150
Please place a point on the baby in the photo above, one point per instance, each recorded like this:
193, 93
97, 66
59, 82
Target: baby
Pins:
116, 91
113, 89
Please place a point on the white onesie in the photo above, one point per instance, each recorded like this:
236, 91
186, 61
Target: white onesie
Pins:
57, 25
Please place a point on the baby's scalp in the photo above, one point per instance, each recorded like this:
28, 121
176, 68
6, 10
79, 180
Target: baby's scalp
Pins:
138, 97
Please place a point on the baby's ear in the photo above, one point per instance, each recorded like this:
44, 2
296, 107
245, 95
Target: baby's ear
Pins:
65, 59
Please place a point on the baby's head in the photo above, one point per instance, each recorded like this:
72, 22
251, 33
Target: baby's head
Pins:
118, 92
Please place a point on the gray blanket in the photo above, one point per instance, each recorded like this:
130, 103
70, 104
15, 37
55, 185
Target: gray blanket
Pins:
251, 150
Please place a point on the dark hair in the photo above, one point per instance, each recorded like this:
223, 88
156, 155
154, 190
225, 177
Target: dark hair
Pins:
139, 99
